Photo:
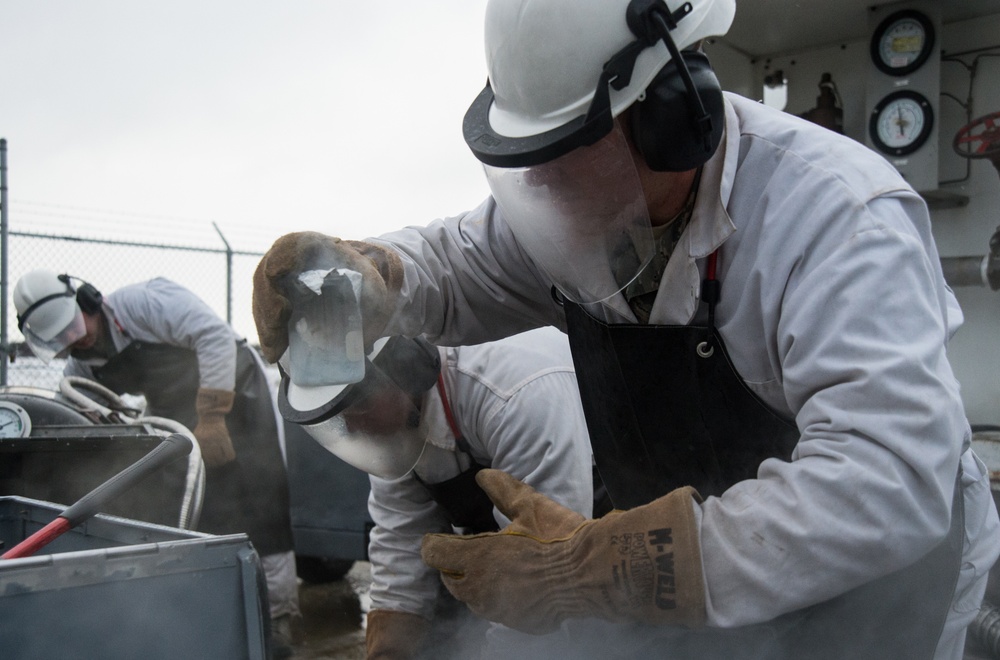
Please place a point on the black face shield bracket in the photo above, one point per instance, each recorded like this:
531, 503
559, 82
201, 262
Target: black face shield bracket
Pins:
412, 365
497, 150
334, 406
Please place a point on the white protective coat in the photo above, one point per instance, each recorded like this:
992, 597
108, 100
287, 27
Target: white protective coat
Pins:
162, 312
835, 312
516, 403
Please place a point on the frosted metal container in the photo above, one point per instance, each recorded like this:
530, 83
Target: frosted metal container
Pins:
119, 589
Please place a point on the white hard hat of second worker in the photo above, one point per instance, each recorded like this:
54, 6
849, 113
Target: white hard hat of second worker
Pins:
49, 313
375, 424
558, 163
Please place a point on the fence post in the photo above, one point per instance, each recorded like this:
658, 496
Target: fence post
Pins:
4, 350
229, 275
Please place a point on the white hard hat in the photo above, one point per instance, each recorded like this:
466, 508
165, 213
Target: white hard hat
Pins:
47, 313
398, 371
547, 69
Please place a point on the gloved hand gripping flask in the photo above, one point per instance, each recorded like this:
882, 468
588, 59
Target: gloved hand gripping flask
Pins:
325, 339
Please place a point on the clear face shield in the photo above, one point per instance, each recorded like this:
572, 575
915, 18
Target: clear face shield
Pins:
45, 344
582, 217
373, 425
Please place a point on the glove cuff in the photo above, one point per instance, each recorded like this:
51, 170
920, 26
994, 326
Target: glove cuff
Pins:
644, 564
211, 401
394, 635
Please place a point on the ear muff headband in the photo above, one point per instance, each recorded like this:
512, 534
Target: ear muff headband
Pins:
678, 125
87, 296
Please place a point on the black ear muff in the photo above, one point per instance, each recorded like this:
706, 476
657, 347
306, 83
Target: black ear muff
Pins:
678, 126
413, 364
87, 296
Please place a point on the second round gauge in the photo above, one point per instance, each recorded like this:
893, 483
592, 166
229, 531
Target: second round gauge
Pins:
901, 123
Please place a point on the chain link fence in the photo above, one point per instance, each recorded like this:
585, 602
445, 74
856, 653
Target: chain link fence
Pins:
222, 277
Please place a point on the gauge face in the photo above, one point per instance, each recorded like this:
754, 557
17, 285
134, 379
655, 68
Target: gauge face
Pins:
902, 42
901, 123
14, 421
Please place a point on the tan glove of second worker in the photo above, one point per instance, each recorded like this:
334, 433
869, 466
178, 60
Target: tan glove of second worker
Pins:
211, 432
550, 564
381, 276
393, 635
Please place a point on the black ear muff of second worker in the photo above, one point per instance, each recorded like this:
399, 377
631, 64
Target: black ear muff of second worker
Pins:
412, 363
89, 298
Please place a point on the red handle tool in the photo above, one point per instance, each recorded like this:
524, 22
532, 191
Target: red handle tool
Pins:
173, 446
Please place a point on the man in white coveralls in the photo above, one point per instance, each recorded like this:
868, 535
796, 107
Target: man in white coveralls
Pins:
759, 325
423, 422
160, 340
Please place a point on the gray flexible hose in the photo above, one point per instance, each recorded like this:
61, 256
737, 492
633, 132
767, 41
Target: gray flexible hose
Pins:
194, 485
120, 412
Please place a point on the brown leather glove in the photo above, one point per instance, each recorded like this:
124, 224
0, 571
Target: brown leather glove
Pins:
381, 272
393, 635
550, 564
211, 432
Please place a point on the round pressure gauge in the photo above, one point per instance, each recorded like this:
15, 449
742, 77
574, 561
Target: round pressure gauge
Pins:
902, 42
14, 421
901, 123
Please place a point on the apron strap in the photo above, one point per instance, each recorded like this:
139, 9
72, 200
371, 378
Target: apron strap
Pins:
465, 504
459, 438
711, 292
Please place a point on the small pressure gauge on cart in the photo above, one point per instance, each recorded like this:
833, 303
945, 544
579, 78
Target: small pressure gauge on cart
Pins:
901, 122
14, 421
902, 42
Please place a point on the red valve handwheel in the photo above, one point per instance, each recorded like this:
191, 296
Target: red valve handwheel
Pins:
980, 138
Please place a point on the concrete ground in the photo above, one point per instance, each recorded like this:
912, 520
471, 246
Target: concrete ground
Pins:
333, 616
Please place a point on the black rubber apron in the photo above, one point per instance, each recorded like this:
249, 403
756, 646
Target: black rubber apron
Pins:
249, 494
665, 408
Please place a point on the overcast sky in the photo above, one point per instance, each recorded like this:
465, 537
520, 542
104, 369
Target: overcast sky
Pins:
265, 117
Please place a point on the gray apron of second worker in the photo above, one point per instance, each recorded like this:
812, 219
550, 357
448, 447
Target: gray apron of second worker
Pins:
665, 408
248, 494
469, 509
465, 504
